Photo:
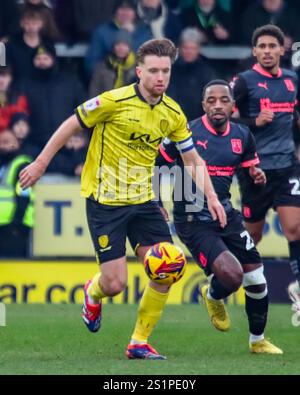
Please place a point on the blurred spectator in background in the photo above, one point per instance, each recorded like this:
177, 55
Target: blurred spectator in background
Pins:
71, 158
16, 205
104, 36
162, 22
52, 95
117, 69
50, 29
190, 73
88, 14
278, 12
9, 19
20, 127
11, 102
22, 47
214, 23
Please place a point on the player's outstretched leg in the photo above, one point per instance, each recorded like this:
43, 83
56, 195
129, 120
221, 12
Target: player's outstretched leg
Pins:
257, 304
149, 312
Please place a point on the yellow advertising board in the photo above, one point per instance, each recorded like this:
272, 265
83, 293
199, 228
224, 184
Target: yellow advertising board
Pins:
60, 282
61, 228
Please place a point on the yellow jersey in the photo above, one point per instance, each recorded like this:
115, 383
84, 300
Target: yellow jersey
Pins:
127, 132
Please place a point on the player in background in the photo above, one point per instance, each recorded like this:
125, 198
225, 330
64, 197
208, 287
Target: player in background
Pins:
228, 253
266, 98
128, 126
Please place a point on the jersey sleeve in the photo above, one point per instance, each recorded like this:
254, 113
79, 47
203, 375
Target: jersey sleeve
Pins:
98, 109
250, 157
181, 130
240, 93
168, 152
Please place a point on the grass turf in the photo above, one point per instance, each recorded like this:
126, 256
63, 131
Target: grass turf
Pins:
51, 339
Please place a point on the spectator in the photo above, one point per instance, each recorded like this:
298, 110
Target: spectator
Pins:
50, 29
213, 22
11, 102
190, 73
88, 14
118, 68
278, 12
162, 22
52, 95
20, 127
16, 208
9, 19
103, 38
22, 48
73, 153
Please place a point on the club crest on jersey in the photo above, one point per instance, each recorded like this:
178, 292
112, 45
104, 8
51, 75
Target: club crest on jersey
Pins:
92, 104
289, 85
236, 145
164, 124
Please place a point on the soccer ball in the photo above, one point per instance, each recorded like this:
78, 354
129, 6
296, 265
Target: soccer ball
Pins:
165, 263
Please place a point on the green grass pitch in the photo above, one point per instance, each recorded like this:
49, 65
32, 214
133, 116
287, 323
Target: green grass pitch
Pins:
52, 339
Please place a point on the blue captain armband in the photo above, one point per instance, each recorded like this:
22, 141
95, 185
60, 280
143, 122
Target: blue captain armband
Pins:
185, 145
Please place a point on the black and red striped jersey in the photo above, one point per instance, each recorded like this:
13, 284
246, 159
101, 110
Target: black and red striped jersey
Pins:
222, 153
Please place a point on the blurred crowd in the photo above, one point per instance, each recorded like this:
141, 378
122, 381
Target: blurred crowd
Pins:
38, 90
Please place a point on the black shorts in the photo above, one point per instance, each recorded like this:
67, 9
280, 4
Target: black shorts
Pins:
282, 189
109, 225
207, 240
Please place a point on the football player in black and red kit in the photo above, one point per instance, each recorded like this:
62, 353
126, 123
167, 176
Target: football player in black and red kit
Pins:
228, 253
266, 98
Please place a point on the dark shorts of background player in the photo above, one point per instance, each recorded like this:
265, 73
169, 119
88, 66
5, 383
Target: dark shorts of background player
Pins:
282, 189
207, 240
142, 223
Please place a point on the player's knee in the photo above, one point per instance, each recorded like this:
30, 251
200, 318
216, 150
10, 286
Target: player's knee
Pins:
292, 233
232, 278
113, 286
229, 271
255, 283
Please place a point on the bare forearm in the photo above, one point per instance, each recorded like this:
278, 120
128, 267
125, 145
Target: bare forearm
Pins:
59, 139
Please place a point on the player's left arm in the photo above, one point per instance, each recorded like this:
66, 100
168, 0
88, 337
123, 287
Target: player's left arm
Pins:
250, 160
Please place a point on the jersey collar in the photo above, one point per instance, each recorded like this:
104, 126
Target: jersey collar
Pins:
212, 130
257, 67
141, 97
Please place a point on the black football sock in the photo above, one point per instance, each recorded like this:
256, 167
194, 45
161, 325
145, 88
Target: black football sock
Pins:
257, 312
217, 289
294, 247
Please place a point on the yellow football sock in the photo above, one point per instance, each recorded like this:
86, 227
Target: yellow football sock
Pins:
149, 312
95, 291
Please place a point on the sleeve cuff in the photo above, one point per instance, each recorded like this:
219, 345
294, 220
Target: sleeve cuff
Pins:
166, 156
250, 163
82, 124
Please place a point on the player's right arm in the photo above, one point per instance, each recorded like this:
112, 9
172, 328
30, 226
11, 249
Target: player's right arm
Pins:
88, 114
31, 174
